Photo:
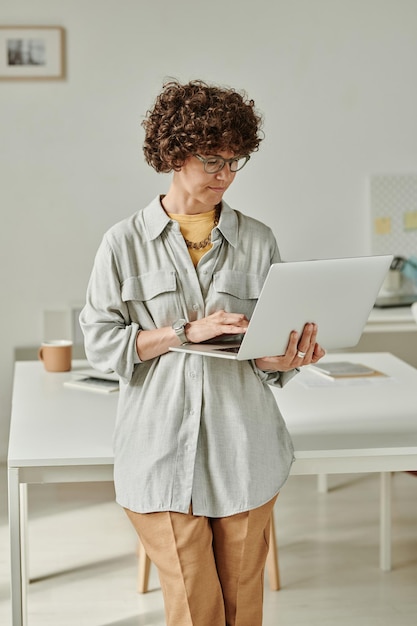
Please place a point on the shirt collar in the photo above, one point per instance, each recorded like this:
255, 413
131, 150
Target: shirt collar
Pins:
228, 225
156, 220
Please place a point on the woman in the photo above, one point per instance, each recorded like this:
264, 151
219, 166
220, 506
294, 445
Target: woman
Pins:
201, 450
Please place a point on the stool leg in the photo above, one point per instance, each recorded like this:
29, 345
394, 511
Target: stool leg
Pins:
272, 559
144, 568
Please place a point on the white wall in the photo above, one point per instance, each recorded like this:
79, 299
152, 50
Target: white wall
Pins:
336, 80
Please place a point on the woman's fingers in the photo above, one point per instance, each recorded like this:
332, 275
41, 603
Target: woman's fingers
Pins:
301, 350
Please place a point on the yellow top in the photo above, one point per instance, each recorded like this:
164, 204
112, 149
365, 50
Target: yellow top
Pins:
195, 228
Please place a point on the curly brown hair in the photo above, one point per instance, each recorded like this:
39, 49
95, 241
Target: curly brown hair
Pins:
196, 117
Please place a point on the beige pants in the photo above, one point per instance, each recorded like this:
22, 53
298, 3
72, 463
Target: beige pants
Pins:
211, 569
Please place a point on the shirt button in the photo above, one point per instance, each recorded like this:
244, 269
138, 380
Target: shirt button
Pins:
195, 307
191, 411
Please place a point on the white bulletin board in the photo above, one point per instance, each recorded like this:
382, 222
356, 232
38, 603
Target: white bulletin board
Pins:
393, 200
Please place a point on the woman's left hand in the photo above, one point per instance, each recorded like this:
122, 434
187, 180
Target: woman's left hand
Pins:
300, 351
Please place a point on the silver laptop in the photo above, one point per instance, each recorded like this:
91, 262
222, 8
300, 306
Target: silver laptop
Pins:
336, 294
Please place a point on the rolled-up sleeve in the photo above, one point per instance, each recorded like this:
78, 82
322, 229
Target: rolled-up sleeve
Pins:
109, 333
276, 378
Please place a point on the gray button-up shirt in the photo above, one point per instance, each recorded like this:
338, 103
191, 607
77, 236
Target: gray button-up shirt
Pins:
189, 428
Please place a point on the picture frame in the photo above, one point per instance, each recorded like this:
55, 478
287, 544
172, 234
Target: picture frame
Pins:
32, 53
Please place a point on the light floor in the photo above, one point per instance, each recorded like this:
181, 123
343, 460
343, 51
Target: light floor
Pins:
83, 563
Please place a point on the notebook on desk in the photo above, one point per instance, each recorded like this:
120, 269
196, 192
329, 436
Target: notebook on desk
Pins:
336, 294
93, 380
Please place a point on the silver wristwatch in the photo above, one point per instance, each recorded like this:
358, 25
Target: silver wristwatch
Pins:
179, 328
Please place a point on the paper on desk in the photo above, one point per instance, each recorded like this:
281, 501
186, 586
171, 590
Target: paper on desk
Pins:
309, 378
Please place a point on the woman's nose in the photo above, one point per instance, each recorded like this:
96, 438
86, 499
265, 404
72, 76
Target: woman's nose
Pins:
225, 173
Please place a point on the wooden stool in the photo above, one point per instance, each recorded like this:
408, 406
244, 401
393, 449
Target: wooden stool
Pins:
272, 567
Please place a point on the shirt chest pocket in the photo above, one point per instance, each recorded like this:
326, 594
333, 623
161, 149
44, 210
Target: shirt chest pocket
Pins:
150, 297
237, 291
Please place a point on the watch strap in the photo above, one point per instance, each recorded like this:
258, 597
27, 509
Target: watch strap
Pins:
179, 329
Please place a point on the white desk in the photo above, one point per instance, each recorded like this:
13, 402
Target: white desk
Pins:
390, 330
64, 435
57, 435
391, 320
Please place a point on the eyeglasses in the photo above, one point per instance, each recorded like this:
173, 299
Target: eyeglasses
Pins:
214, 164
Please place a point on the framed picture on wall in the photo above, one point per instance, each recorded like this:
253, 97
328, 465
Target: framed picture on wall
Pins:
32, 53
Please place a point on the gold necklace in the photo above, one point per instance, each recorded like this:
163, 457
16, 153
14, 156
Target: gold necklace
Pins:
205, 242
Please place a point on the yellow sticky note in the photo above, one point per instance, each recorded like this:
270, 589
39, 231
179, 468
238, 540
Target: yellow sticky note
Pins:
410, 220
382, 225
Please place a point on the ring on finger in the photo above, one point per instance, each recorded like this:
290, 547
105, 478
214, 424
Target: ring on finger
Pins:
300, 354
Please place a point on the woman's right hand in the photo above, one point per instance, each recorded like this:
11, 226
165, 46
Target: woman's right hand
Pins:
153, 343
217, 324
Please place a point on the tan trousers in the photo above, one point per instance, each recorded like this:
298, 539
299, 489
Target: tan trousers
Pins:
211, 569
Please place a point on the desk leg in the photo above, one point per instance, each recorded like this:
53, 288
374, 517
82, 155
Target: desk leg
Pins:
322, 483
385, 522
24, 534
17, 533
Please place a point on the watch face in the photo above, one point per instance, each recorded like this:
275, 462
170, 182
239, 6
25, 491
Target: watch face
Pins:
179, 324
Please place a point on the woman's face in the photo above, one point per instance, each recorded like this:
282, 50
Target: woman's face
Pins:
202, 188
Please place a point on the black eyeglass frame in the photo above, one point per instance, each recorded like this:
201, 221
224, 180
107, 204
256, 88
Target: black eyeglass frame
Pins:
204, 161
